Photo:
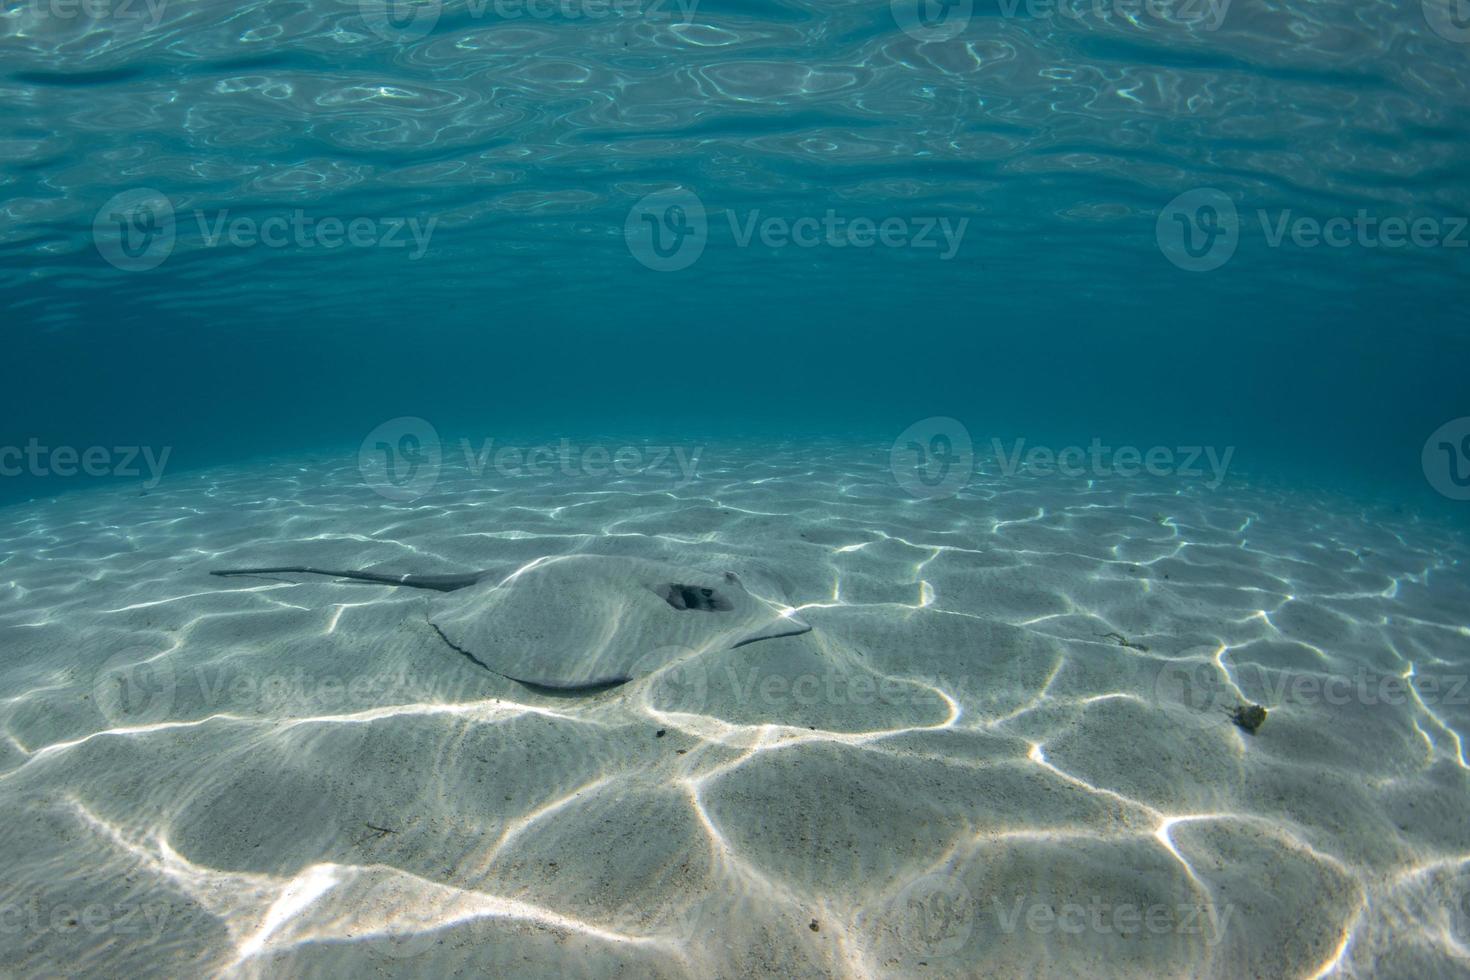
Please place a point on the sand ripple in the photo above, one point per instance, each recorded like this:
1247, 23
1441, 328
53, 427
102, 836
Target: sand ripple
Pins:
1003, 747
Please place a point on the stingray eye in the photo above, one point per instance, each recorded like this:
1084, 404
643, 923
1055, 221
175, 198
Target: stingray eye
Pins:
696, 597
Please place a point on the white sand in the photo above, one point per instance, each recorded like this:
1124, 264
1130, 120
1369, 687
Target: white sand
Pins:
953, 758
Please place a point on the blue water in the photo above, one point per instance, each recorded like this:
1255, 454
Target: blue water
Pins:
525, 140
273, 272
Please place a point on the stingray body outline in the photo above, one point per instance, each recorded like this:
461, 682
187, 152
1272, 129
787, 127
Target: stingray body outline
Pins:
580, 624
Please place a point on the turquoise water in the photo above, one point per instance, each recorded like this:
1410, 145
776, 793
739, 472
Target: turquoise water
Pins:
517, 139
734, 488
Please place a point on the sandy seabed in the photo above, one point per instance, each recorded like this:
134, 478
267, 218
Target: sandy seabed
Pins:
1004, 749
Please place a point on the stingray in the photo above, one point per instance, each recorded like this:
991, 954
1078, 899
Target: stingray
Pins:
582, 623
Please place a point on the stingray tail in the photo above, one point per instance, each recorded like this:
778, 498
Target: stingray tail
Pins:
303, 570
438, 583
